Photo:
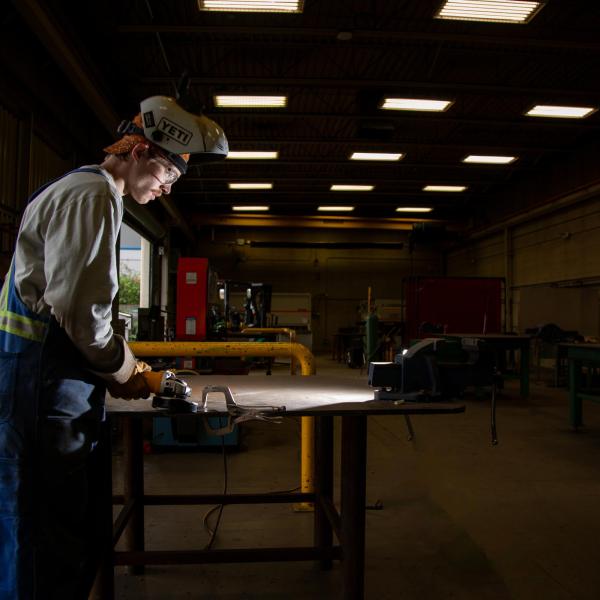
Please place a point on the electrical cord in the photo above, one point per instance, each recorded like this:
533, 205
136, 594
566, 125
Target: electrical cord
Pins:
220, 507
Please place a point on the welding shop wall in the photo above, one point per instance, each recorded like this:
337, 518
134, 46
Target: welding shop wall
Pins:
556, 253
32, 154
337, 279
551, 244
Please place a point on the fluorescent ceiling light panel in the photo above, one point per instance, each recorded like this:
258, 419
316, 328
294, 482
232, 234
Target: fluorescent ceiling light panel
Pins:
250, 186
444, 188
488, 159
560, 112
249, 208
418, 209
336, 208
375, 156
421, 104
252, 155
495, 11
223, 101
281, 6
351, 188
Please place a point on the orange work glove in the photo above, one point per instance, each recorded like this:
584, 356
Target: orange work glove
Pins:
135, 387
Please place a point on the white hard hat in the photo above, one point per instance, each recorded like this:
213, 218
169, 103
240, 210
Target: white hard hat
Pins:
178, 132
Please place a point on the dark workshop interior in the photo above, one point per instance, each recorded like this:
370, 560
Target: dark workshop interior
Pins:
403, 242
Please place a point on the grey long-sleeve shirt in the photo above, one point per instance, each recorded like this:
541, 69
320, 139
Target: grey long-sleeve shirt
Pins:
65, 265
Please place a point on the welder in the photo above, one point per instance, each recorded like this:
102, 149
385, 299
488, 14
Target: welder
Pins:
59, 353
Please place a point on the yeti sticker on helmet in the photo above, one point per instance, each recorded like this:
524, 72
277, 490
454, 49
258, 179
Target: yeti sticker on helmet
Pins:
174, 131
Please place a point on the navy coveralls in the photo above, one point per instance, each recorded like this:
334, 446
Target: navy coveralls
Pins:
51, 411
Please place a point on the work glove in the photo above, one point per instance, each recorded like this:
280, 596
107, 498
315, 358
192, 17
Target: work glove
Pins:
137, 386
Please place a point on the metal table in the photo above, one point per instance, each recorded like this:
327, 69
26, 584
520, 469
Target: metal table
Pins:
579, 355
501, 343
320, 397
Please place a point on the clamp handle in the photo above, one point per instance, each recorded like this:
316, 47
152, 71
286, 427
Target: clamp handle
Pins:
229, 402
210, 389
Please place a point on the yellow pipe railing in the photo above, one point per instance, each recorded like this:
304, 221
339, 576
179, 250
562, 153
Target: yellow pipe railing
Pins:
275, 331
297, 351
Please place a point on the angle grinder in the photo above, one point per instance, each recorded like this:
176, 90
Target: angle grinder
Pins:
170, 392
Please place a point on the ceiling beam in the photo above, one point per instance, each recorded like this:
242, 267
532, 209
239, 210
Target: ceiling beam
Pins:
586, 45
313, 82
295, 222
332, 197
400, 145
231, 166
334, 179
67, 59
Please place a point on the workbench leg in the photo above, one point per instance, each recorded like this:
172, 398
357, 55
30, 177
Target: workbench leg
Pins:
323, 482
353, 491
575, 402
134, 486
104, 583
525, 366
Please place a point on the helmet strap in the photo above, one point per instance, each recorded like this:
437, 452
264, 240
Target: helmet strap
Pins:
129, 127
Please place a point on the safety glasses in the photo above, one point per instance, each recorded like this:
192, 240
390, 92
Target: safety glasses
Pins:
170, 172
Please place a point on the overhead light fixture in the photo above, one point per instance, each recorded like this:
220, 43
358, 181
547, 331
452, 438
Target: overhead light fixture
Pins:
336, 208
422, 104
223, 101
280, 6
250, 186
560, 112
488, 159
444, 188
494, 11
351, 188
249, 208
252, 155
416, 209
376, 156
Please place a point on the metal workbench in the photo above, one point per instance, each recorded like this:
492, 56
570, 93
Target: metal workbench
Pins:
577, 356
320, 397
501, 343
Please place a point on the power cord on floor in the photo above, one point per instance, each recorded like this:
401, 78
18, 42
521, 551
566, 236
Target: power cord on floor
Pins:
220, 507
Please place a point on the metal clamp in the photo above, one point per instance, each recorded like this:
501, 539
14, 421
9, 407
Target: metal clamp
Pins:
236, 412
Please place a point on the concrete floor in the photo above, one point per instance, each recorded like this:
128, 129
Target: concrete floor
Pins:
460, 520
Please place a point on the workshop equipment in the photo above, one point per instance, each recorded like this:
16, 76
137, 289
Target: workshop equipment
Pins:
437, 369
192, 299
256, 304
169, 391
172, 394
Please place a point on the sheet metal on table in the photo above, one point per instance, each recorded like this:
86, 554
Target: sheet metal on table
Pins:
301, 396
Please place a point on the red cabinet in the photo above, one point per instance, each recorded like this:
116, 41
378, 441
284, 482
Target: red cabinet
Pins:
192, 284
